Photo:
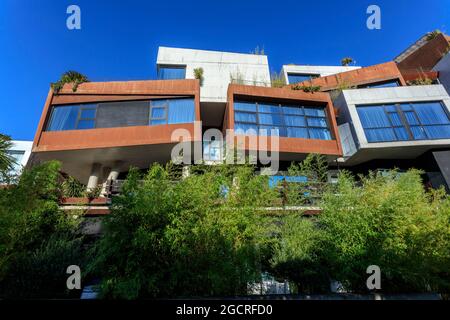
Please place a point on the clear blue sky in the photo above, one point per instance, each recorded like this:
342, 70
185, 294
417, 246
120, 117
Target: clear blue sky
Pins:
118, 40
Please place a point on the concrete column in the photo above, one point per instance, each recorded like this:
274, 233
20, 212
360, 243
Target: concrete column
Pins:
94, 177
112, 174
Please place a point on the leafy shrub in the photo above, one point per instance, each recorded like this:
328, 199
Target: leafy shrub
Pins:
166, 239
71, 187
198, 74
33, 234
306, 88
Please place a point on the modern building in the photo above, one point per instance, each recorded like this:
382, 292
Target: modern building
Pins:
20, 152
363, 118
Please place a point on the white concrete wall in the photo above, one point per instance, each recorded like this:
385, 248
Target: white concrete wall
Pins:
23, 146
444, 71
322, 71
218, 69
358, 97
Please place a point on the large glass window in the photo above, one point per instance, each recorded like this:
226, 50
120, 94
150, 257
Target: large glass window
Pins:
295, 121
171, 72
122, 114
406, 121
300, 77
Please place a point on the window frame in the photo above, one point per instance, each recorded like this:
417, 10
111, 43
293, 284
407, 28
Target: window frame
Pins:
83, 107
405, 125
283, 127
170, 66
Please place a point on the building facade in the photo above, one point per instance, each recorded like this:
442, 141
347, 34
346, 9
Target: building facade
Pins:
363, 118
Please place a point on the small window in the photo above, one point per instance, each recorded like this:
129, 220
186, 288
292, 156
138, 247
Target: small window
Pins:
171, 72
86, 118
300, 77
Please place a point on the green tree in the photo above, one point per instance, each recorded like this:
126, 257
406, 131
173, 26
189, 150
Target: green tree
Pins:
389, 221
195, 237
37, 240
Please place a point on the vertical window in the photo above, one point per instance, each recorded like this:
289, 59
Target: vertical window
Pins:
171, 72
282, 120
172, 111
407, 121
86, 117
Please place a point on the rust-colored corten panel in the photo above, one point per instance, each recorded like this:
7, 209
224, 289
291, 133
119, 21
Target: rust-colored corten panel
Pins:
289, 145
427, 56
109, 137
373, 74
113, 91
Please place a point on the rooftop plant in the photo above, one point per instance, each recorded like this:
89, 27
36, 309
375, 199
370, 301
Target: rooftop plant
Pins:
73, 77
198, 74
346, 61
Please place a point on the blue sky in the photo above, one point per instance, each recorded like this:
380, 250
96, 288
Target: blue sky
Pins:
118, 40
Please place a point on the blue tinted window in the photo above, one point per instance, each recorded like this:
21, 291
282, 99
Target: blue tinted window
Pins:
285, 121
296, 78
431, 113
322, 134
243, 128
295, 121
378, 135
86, 124
171, 72
63, 118
373, 117
265, 118
268, 108
245, 106
315, 112
317, 122
297, 133
413, 121
245, 117
293, 110
181, 111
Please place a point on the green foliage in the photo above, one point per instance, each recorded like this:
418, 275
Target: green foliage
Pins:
190, 238
198, 74
433, 34
297, 255
73, 77
33, 235
306, 88
277, 80
6, 161
346, 61
419, 82
72, 188
315, 169
389, 221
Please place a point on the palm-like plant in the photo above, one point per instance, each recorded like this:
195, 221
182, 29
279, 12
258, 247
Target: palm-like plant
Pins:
346, 61
73, 77
6, 161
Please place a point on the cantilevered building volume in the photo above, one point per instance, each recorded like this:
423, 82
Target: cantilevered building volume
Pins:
375, 117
